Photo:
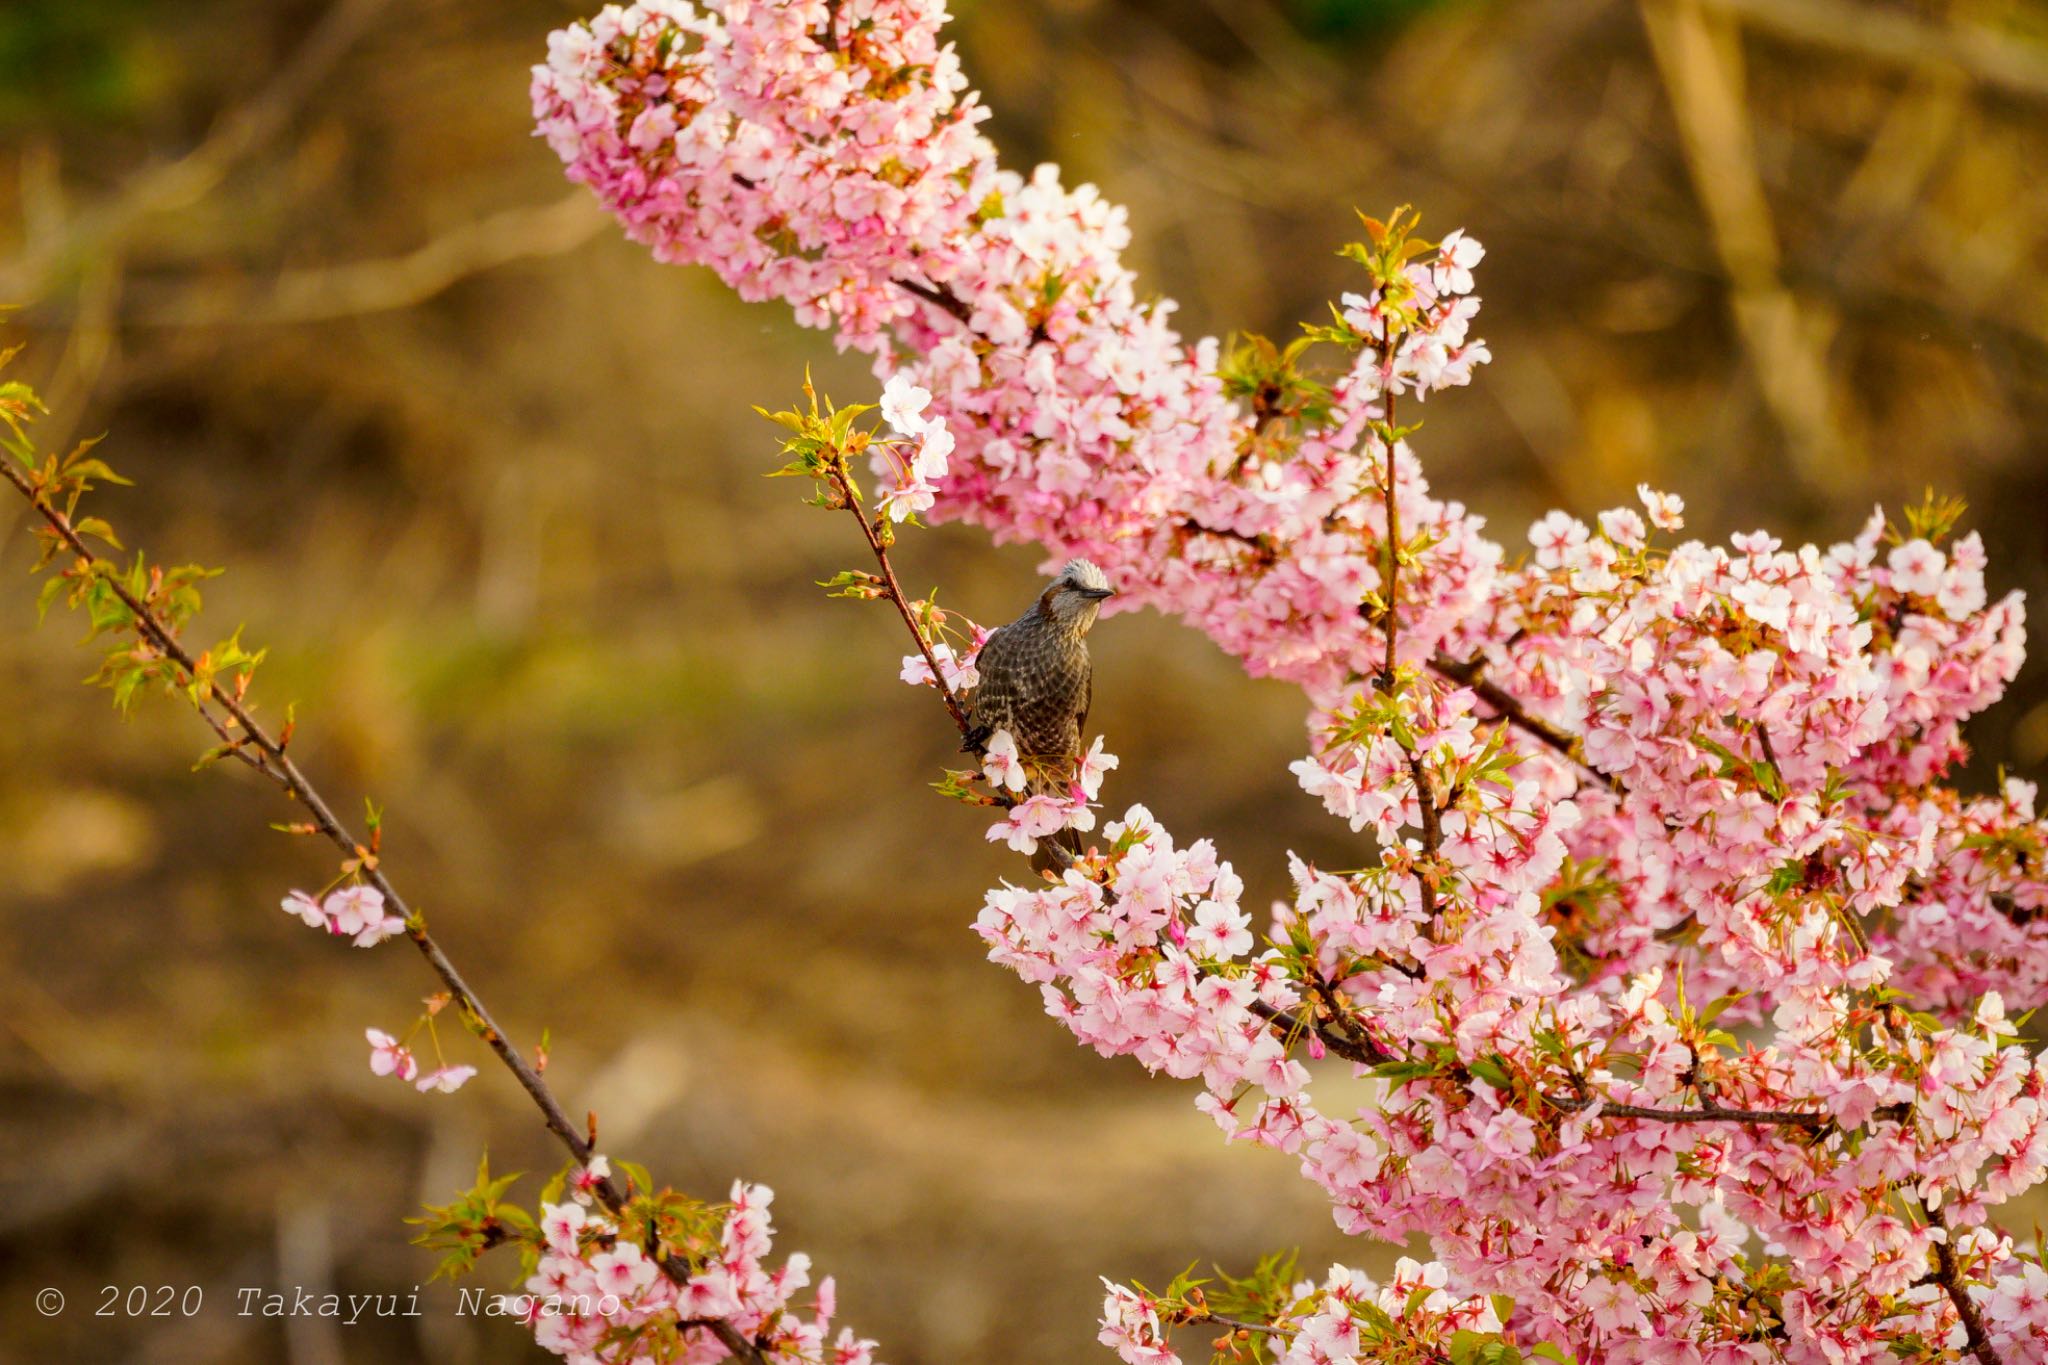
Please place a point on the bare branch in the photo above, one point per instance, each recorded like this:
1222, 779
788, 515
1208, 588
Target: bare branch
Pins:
2002, 60
316, 294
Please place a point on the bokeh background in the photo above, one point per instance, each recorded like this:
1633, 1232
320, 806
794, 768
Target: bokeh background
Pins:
487, 482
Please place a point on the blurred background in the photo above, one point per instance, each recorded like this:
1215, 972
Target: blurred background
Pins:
486, 480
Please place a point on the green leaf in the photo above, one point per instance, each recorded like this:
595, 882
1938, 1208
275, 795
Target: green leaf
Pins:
1715, 1008
1492, 1072
98, 528
51, 588
95, 470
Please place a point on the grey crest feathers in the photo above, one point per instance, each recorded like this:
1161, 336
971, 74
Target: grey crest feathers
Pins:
1076, 595
1083, 575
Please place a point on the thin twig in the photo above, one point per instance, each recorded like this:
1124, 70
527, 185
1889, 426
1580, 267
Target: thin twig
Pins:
1390, 624
844, 484
940, 296
1510, 708
1235, 1324
1261, 545
1366, 1053
1716, 1113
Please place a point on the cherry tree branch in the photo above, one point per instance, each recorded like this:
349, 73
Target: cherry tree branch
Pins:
1469, 673
848, 495
1368, 1052
940, 297
266, 753
1390, 627
1715, 1113
1236, 1324
1948, 1275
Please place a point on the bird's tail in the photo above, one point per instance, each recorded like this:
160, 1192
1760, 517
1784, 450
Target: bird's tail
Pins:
1053, 778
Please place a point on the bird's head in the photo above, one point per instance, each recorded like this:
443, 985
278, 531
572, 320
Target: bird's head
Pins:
1073, 598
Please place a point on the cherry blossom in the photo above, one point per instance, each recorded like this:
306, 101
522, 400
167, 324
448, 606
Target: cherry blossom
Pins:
445, 1079
960, 672
592, 1291
355, 912
1001, 764
388, 1057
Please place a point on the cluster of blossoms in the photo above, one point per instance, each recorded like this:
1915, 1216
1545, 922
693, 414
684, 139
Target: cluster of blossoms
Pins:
390, 1057
1042, 814
1628, 796
912, 477
355, 912
1412, 1317
594, 1294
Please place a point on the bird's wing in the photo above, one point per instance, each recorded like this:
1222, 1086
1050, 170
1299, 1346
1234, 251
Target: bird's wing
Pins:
993, 703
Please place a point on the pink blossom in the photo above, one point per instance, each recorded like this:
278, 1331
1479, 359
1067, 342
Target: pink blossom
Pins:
1667, 510
1094, 766
902, 404
306, 908
960, 673
446, 1079
1917, 568
562, 1225
388, 1057
358, 912
1000, 763
584, 1183
1036, 817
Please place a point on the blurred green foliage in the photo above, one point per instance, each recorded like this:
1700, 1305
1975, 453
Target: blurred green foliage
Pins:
75, 59
1349, 21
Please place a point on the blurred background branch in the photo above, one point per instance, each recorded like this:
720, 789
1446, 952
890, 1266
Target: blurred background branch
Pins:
1988, 55
1699, 55
321, 293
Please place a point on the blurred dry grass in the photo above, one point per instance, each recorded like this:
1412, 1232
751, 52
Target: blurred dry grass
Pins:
486, 480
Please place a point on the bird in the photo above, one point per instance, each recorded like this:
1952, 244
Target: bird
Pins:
1037, 681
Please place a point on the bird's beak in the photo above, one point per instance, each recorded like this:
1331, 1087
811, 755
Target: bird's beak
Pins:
1098, 593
